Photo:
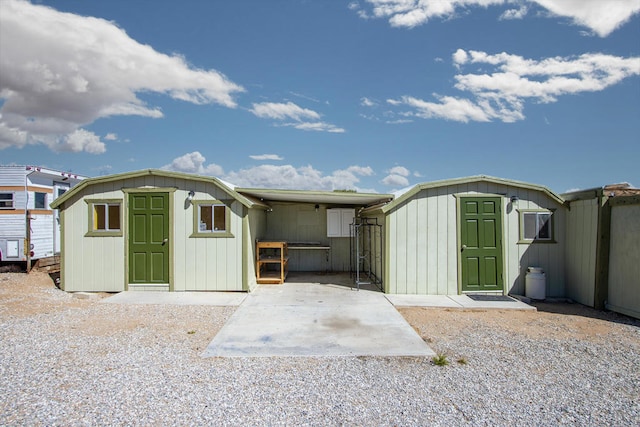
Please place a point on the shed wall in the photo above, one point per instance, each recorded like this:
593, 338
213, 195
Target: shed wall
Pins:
257, 226
99, 263
300, 222
624, 254
422, 241
581, 247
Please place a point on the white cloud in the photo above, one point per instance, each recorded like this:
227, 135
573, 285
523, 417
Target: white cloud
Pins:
361, 170
601, 16
366, 102
274, 176
68, 71
111, 137
305, 119
77, 141
281, 111
399, 170
460, 57
398, 121
505, 82
316, 126
291, 177
194, 162
266, 157
394, 180
519, 13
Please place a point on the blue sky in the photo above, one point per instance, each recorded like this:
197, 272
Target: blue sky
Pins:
373, 95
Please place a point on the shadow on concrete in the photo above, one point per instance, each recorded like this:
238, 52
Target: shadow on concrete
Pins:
339, 279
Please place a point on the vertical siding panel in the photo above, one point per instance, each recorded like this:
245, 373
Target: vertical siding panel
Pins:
443, 232
452, 240
392, 237
512, 261
422, 258
432, 242
624, 269
412, 264
401, 256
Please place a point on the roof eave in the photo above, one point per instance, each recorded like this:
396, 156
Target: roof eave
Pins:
476, 178
153, 172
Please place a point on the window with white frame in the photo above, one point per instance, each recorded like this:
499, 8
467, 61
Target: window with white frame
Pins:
7, 200
105, 217
536, 226
211, 219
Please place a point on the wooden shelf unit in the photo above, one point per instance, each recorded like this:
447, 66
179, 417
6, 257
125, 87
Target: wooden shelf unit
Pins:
271, 253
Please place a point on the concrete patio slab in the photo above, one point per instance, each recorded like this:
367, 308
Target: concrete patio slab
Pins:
440, 301
178, 298
312, 319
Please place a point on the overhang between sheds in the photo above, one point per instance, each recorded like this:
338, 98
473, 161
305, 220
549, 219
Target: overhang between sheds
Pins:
325, 197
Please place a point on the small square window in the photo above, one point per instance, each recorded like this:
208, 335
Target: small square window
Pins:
211, 219
106, 217
536, 226
40, 201
6, 201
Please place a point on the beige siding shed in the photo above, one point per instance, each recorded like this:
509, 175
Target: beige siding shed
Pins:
93, 262
423, 236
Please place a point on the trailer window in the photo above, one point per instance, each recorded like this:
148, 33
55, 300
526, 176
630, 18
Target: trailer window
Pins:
6, 201
40, 200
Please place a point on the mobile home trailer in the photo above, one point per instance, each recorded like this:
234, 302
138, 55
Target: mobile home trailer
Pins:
29, 228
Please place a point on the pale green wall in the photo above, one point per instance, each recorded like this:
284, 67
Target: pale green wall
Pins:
422, 240
624, 257
581, 246
257, 223
300, 222
99, 264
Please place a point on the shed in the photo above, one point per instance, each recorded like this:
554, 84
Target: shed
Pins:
471, 235
157, 230
161, 230
602, 268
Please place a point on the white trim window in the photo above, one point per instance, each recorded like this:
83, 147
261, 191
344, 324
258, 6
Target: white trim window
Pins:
106, 217
212, 218
536, 226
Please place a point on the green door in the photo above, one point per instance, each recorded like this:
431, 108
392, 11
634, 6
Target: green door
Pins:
481, 244
148, 238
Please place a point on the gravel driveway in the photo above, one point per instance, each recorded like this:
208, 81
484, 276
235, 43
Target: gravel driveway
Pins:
66, 361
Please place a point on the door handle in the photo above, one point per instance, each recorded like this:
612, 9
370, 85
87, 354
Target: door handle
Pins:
165, 240
464, 247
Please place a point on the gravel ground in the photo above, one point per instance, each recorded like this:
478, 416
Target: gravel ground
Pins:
66, 361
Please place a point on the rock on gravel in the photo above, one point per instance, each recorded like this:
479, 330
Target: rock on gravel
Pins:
67, 361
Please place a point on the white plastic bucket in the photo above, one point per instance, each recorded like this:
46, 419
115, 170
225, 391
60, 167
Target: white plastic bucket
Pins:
535, 283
